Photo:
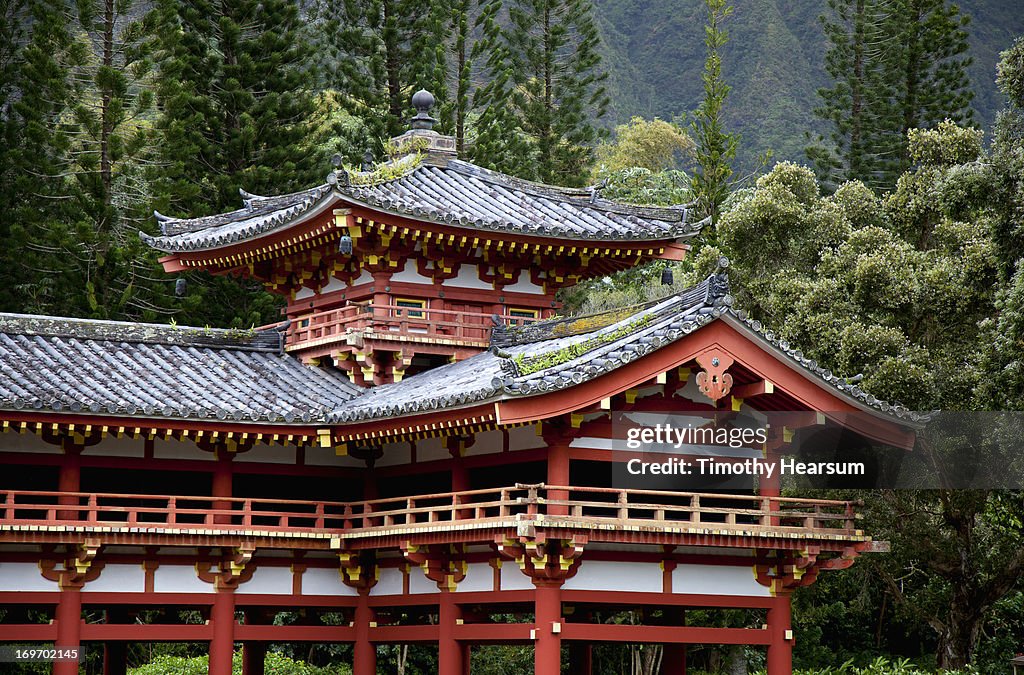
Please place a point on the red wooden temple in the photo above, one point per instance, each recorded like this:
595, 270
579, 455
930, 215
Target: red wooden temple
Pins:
423, 446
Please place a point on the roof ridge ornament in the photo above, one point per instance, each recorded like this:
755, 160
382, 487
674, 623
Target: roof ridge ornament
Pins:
339, 177
423, 101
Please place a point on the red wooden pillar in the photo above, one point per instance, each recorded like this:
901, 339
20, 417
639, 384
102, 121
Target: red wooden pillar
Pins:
115, 654
558, 474
254, 654
69, 628
780, 650
673, 660
222, 617
364, 652
450, 654
547, 650
69, 479
581, 658
222, 480
381, 297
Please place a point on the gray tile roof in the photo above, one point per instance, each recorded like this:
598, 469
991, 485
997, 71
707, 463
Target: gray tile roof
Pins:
146, 370
561, 353
451, 193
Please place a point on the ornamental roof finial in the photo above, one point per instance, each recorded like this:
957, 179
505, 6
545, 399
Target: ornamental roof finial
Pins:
423, 101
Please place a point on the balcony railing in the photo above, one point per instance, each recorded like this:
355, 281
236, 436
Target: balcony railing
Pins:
471, 328
561, 506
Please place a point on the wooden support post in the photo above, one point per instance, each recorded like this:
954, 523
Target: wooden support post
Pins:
69, 628
673, 660
254, 658
780, 650
558, 474
450, 655
364, 652
547, 649
222, 617
222, 480
581, 658
70, 479
115, 653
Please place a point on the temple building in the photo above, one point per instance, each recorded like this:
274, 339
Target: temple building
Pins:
424, 445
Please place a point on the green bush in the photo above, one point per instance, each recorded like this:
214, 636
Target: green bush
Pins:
276, 664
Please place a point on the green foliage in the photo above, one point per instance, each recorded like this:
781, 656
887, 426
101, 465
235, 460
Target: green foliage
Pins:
878, 94
276, 664
545, 93
527, 365
716, 149
655, 145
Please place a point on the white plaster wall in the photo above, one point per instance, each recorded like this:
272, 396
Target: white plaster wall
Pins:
269, 580
179, 579
117, 447
717, 580
268, 454
317, 456
119, 578
395, 453
487, 443
430, 449
410, 275
513, 579
468, 277
24, 577
524, 438
389, 583
479, 577
27, 442
524, 285
603, 575
172, 449
304, 293
324, 581
419, 583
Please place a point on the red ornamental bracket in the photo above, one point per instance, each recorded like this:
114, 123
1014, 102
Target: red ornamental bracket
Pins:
552, 560
233, 570
80, 567
713, 381
446, 566
358, 570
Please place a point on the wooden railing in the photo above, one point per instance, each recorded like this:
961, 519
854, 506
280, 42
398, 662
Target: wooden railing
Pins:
465, 327
574, 507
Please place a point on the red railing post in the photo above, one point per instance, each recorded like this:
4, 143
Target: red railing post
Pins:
247, 513
9, 506
172, 511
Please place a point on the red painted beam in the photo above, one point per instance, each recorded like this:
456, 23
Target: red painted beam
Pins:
494, 633
404, 634
152, 632
664, 634
630, 599
294, 633
28, 632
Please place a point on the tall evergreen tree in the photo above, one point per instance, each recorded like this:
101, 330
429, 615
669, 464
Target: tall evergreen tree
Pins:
378, 52
715, 147
549, 77
234, 89
897, 65
236, 103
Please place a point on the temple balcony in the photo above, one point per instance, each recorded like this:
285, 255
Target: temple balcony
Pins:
520, 512
361, 327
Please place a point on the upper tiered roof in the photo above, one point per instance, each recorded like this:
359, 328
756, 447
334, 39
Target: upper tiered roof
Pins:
445, 191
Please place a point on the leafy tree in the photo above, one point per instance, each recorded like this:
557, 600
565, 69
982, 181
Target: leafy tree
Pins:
548, 76
1008, 162
897, 65
715, 147
655, 145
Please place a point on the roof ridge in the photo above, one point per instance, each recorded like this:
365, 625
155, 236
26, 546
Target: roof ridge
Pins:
143, 333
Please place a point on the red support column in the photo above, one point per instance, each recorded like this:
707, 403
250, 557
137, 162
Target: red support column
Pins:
450, 655
115, 654
364, 652
222, 646
673, 660
222, 480
581, 658
254, 658
69, 628
780, 651
70, 479
547, 650
558, 474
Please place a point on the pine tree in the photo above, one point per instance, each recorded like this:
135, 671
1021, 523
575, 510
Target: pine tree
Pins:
897, 65
236, 112
378, 52
235, 92
715, 147
551, 80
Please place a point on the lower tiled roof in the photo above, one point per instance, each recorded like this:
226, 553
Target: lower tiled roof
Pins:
147, 370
